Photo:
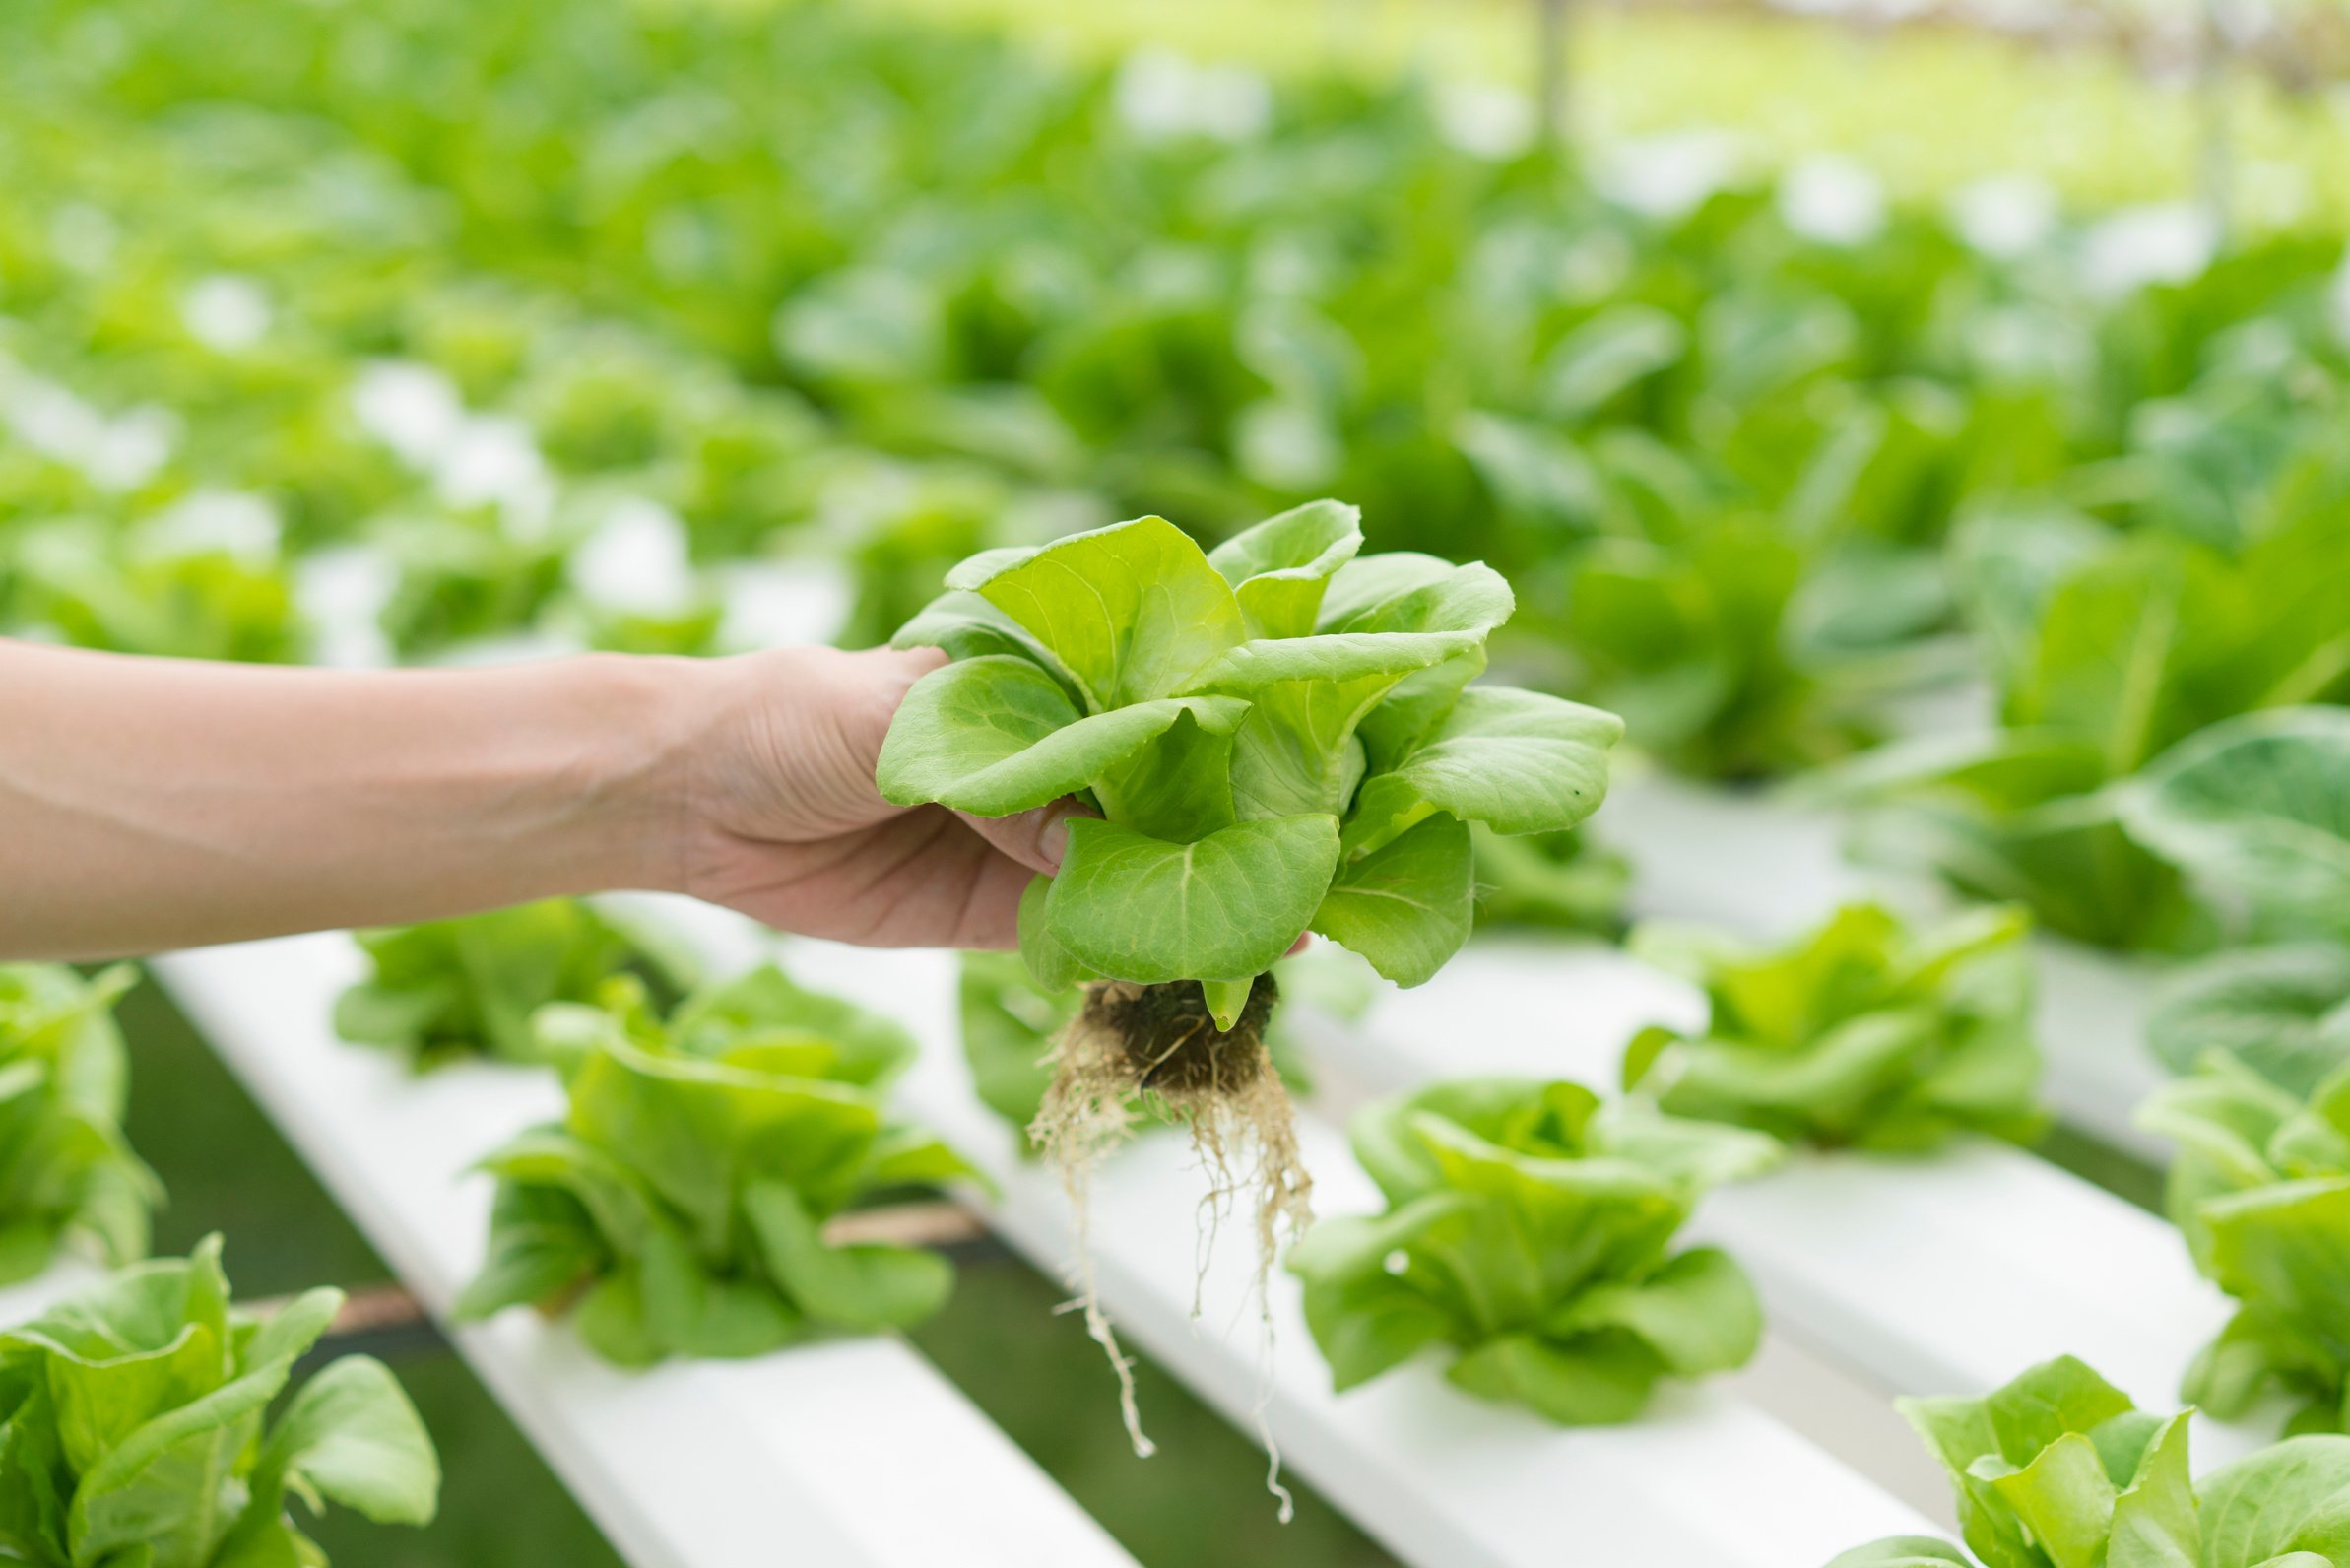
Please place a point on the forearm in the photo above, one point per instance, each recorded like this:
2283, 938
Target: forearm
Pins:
151, 804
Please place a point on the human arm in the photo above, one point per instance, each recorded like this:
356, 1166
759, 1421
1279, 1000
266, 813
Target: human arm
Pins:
150, 804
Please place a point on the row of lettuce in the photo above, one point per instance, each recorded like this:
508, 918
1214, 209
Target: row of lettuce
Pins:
286, 349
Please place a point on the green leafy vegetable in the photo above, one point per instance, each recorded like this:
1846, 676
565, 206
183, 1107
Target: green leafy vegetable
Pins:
1556, 882
1276, 737
2260, 1188
681, 1202
2058, 1469
2258, 808
65, 1171
1861, 1034
134, 1430
469, 987
2108, 653
2256, 812
1529, 1230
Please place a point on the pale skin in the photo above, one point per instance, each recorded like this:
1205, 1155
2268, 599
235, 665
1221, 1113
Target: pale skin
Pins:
150, 803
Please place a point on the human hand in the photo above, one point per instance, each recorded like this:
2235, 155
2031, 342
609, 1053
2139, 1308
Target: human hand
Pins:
783, 822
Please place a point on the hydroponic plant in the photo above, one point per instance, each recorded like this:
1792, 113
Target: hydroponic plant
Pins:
451, 989
135, 1433
2260, 1188
66, 1174
2257, 813
1278, 736
1862, 1034
1529, 1233
680, 1206
2108, 652
1549, 881
2058, 1469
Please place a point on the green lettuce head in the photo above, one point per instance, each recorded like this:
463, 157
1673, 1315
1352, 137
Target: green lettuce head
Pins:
66, 1172
681, 1201
134, 1428
453, 988
1529, 1232
2058, 1469
1862, 1034
2260, 1188
1278, 736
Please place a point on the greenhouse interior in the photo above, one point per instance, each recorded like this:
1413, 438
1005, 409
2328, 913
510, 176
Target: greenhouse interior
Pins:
1259, 783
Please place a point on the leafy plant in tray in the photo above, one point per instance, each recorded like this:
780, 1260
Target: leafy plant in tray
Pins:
2108, 652
469, 987
134, 1429
65, 1171
1278, 736
2260, 1188
681, 1202
2256, 812
1862, 1034
1529, 1229
2058, 1469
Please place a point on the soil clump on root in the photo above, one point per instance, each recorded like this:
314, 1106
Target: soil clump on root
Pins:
1159, 1046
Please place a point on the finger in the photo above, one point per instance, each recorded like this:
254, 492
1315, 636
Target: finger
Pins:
991, 914
1037, 839
1305, 940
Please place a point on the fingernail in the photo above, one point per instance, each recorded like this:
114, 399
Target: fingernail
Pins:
1053, 842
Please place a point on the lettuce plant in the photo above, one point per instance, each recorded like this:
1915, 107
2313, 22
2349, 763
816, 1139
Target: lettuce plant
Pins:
451, 989
1862, 1034
681, 1202
1553, 882
65, 1172
2260, 1188
2058, 1469
134, 1428
1529, 1232
1279, 737
2256, 812
2108, 653
1691, 639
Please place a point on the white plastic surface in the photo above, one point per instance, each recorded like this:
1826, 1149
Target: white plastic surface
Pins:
851, 1454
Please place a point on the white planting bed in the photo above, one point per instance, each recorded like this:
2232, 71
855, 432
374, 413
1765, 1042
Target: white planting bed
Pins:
849, 1454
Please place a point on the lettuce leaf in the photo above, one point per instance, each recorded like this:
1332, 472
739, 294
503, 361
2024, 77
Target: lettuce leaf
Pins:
2261, 1190
66, 1173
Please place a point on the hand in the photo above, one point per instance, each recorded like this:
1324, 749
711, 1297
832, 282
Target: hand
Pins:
783, 821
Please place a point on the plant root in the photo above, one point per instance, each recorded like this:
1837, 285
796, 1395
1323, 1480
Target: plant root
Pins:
1159, 1046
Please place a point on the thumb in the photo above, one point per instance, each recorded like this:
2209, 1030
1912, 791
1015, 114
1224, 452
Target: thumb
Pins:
1035, 838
